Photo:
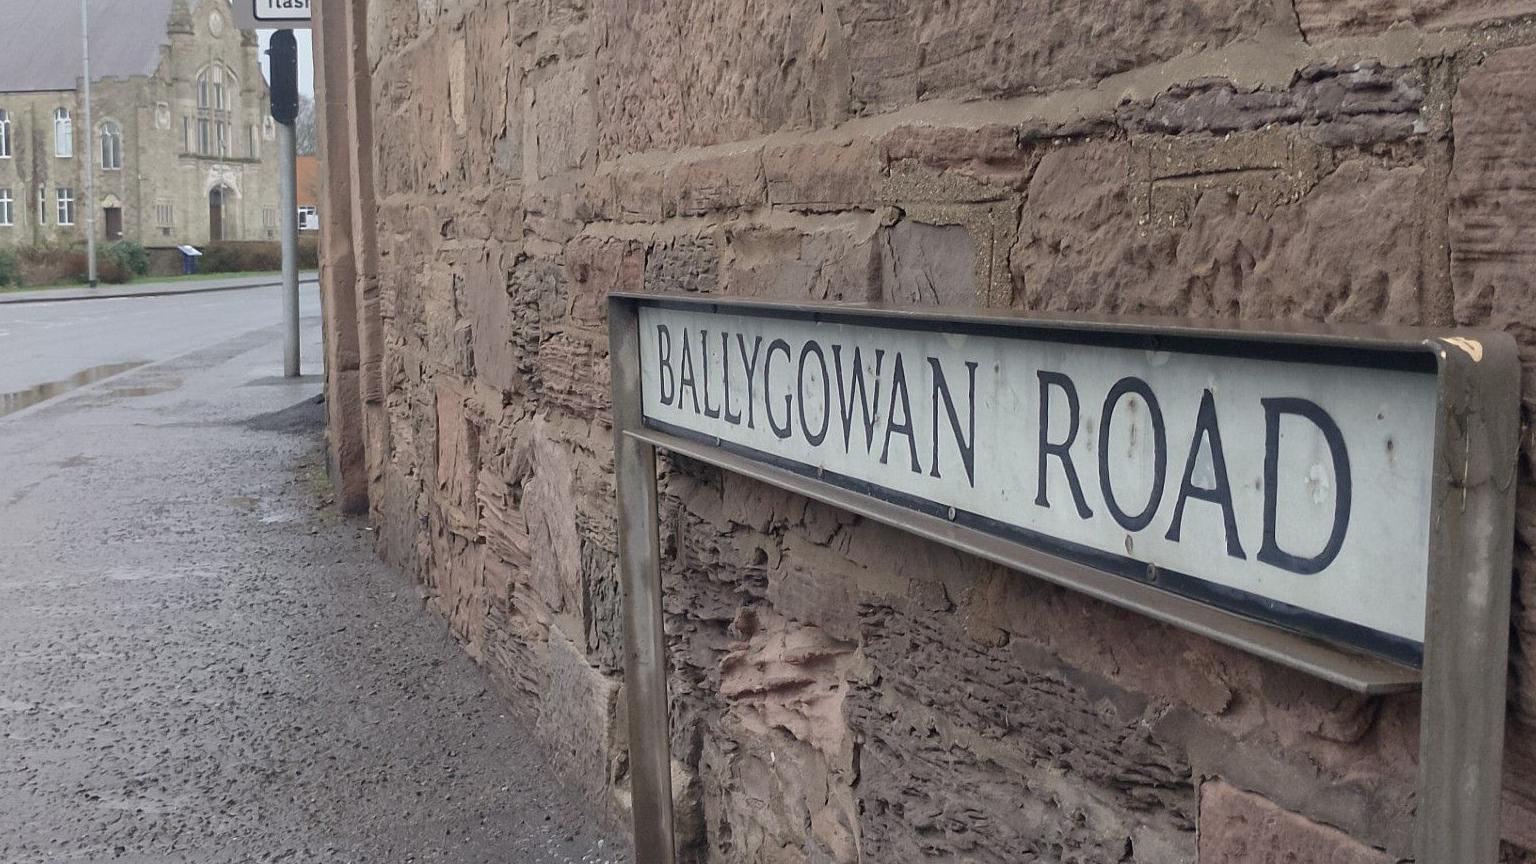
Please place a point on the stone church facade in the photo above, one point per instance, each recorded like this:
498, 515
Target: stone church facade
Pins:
182, 140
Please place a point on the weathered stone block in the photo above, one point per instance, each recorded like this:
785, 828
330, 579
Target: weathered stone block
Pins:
1362, 104
1238, 827
675, 73
1338, 254
715, 182
826, 258
976, 753
549, 507
929, 265
596, 267
458, 459
1326, 19
901, 52
948, 145
561, 131
682, 265
823, 176
581, 722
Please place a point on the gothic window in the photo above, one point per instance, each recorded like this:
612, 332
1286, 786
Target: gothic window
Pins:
216, 91
111, 145
6, 216
5, 134
42, 205
63, 134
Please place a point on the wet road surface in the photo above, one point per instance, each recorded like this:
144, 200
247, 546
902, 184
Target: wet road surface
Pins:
201, 662
47, 342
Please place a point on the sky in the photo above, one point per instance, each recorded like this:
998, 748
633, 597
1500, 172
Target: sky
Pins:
306, 59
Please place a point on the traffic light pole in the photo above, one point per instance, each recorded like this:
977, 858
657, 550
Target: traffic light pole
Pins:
288, 204
283, 51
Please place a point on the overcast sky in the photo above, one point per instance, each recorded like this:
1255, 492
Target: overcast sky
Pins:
306, 61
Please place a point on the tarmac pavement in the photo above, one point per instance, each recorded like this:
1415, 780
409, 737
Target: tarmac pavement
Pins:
200, 661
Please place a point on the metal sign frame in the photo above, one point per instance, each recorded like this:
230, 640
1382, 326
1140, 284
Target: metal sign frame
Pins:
1463, 677
247, 17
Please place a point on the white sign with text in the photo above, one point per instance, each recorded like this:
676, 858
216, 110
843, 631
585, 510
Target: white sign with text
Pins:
1283, 485
272, 14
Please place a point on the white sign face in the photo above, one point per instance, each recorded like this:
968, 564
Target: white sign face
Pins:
1288, 484
272, 14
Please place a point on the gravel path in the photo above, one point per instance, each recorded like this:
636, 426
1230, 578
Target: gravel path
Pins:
201, 662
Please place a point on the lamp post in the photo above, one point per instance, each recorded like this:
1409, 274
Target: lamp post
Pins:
90, 163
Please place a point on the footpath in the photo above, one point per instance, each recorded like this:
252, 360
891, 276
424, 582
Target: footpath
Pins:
151, 289
200, 661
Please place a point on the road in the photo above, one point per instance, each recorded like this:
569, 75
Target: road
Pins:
200, 661
53, 341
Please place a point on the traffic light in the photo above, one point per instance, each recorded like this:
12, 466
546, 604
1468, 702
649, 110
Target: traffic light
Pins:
283, 51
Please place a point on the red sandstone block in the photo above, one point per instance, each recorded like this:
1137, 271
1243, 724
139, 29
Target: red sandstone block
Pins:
1325, 19
1238, 827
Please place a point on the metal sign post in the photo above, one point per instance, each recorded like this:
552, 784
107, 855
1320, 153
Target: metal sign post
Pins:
284, 53
1336, 500
90, 142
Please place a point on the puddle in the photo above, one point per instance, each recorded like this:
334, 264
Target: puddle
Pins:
13, 402
147, 390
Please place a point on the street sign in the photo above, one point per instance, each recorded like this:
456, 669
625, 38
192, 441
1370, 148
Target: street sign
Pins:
1340, 501
1293, 490
272, 14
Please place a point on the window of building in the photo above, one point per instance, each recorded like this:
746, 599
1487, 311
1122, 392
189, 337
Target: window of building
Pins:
165, 215
6, 216
5, 134
111, 145
216, 91
66, 200
42, 206
269, 217
309, 219
63, 134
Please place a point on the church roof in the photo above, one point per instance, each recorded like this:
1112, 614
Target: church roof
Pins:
40, 42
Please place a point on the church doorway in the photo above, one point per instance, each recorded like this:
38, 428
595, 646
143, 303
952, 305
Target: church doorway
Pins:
220, 216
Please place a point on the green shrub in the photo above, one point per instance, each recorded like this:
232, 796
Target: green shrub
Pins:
232, 256
129, 256
10, 268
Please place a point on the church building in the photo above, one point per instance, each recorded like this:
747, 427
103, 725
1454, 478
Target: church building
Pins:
184, 146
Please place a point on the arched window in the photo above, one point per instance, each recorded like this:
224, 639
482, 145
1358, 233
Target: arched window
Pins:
5, 134
111, 145
63, 134
216, 89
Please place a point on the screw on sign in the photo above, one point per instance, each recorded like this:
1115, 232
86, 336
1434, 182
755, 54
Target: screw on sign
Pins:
272, 14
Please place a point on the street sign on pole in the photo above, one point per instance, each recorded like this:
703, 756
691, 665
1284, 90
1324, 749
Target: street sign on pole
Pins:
272, 14
1339, 501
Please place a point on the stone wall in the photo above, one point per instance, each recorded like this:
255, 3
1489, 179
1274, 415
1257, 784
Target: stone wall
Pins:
840, 691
